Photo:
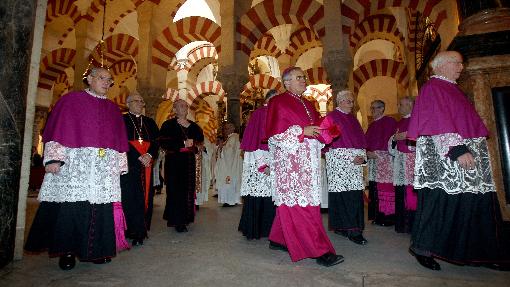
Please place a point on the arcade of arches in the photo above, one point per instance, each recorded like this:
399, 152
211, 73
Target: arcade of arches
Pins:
222, 56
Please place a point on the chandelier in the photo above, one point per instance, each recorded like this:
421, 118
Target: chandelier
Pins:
100, 49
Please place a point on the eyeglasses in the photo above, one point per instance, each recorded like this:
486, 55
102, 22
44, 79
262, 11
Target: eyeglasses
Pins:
104, 79
301, 78
375, 108
138, 101
347, 101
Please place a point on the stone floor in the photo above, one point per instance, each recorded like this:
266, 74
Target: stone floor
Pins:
213, 253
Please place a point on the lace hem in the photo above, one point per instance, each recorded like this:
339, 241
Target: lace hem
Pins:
254, 182
342, 174
295, 168
90, 174
433, 170
381, 168
403, 168
54, 151
444, 142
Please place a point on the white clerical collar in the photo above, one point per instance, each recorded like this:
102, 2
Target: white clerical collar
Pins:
135, 114
379, 118
444, 79
340, 110
94, 94
406, 116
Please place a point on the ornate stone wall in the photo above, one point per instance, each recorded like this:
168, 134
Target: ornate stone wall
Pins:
16, 20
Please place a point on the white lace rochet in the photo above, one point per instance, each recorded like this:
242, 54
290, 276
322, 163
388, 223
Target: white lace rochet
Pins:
85, 175
295, 168
343, 174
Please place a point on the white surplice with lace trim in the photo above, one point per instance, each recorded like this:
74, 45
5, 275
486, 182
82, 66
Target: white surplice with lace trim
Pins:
254, 182
85, 176
295, 168
343, 174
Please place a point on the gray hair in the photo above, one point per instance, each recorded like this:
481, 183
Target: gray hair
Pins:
130, 97
441, 58
286, 73
380, 103
342, 95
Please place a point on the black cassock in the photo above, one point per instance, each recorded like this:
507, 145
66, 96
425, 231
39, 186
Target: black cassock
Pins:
180, 171
138, 219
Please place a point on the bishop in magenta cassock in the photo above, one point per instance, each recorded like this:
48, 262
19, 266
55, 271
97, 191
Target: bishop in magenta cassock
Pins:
256, 189
458, 217
292, 128
381, 207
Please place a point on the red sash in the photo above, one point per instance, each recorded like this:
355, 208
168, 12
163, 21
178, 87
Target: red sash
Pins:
142, 148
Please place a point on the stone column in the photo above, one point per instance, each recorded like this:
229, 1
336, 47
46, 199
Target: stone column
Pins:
233, 64
20, 53
81, 60
151, 78
336, 56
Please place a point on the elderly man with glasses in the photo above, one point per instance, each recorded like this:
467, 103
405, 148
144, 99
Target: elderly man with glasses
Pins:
345, 158
292, 126
84, 156
137, 187
381, 207
458, 217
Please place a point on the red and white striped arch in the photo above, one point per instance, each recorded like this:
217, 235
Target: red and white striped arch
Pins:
61, 86
321, 96
317, 75
380, 26
301, 41
120, 99
122, 71
261, 81
272, 13
119, 18
210, 87
57, 8
180, 33
265, 46
202, 52
380, 67
205, 118
355, 11
116, 48
171, 94
53, 66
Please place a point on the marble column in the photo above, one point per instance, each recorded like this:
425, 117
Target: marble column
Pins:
336, 58
232, 84
16, 43
153, 97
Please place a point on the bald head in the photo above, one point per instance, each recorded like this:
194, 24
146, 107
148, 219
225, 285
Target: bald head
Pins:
180, 108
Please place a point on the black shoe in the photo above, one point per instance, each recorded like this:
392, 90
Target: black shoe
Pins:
330, 259
228, 205
197, 207
102, 261
137, 242
67, 262
181, 228
358, 239
276, 246
344, 233
427, 262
